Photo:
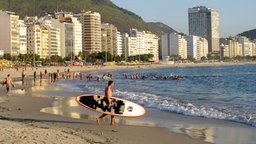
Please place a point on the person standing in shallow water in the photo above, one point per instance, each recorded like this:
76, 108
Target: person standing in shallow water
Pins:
9, 84
23, 74
108, 95
34, 75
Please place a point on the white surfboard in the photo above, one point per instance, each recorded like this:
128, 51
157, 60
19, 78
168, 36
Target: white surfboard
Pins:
120, 107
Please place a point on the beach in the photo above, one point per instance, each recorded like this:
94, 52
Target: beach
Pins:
39, 112
22, 121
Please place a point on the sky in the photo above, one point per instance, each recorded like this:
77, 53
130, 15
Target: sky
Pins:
236, 16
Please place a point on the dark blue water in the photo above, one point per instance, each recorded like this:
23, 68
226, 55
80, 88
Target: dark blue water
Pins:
224, 92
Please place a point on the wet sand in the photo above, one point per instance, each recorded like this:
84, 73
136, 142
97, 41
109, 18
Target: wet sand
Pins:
21, 121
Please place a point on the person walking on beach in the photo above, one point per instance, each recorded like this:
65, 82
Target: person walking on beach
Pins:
108, 95
9, 84
41, 75
34, 75
23, 74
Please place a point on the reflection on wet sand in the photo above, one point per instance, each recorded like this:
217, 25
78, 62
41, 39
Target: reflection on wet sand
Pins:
217, 134
196, 132
68, 107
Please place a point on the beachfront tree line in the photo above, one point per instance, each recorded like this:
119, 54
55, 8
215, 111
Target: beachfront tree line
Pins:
98, 58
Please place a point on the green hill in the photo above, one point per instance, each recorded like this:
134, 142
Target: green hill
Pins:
250, 34
161, 28
110, 13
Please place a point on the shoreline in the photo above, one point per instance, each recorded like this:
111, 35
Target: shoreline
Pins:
29, 70
20, 114
183, 129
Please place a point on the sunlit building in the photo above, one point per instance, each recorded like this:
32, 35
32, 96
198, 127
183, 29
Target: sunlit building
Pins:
9, 33
67, 18
246, 45
53, 36
197, 47
91, 31
231, 47
34, 39
66, 35
152, 45
140, 44
120, 48
22, 37
44, 43
54, 41
178, 45
109, 38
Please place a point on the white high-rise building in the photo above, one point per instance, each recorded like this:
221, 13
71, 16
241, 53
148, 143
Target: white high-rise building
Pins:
133, 45
253, 45
246, 46
197, 47
231, 47
152, 45
66, 36
120, 47
67, 17
178, 45
9, 33
34, 39
77, 36
54, 41
204, 22
109, 38
23, 37
140, 44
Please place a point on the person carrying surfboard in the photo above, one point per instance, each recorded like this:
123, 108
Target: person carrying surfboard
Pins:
108, 95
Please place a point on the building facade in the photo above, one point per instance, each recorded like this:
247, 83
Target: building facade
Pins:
178, 45
34, 39
246, 45
197, 47
77, 36
140, 44
152, 45
165, 46
54, 41
91, 31
109, 38
22, 37
204, 22
9, 33
120, 48
68, 19
231, 47
44, 43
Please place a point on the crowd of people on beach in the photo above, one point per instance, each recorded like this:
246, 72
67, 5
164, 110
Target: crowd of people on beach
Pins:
52, 76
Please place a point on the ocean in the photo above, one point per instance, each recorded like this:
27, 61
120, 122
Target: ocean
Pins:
220, 92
